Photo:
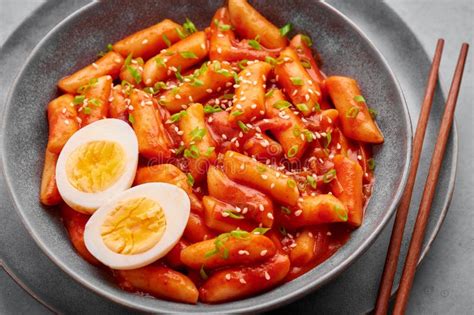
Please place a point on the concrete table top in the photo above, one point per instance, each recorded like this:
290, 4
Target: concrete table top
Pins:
444, 282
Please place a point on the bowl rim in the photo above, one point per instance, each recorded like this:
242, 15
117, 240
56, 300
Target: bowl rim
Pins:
271, 303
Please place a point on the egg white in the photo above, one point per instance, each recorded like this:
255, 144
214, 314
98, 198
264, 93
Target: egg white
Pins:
176, 207
102, 130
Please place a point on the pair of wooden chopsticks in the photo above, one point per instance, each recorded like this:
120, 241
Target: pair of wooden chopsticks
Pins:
416, 242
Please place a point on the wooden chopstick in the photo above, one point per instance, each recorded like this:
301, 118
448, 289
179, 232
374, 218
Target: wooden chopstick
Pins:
393, 252
430, 186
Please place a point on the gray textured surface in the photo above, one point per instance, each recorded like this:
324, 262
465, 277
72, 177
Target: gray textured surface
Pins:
72, 44
443, 283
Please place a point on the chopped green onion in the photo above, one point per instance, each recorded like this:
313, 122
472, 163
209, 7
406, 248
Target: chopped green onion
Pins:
181, 34
176, 117
109, 48
236, 77
261, 169
317, 107
296, 131
86, 110
296, 80
285, 29
241, 63
203, 273
190, 179
78, 99
285, 210
281, 104
197, 82
352, 112
128, 60
302, 107
254, 44
270, 60
373, 113
222, 27
329, 176
209, 151
160, 61
309, 136
135, 74
239, 234
208, 109
188, 55
311, 181
371, 164
293, 151
359, 99
269, 93
192, 152
226, 73
305, 63
131, 119
243, 126
189, 26
291, 183
179, 150
197, 134
341, 213
96, 102
166, 40
328, 139
233, 214
237, 113
307, 40
260, 230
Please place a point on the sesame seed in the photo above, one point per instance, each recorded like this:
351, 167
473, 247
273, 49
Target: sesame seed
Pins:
225, 214
328, 233
272, 186
177, 96
203, 46
209, 91
220, 35
267, 276
262, 112
145, 41
242, 281
293, 245
359, 157
227, 276
95, 65
243, 252
261, 207
66, 121
263, 252
270, 215
210, 119
264, 177
117, 60
130, 107
338, 146
294, 92
298, 213
219, 50
224, 137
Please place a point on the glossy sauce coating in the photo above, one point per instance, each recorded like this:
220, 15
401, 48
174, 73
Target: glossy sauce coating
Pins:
274, 156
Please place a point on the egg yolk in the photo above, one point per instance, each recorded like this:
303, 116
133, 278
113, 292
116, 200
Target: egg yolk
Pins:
134, 226
95, 166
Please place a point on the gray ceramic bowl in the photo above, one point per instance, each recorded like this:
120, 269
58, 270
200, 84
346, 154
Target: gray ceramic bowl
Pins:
75, 42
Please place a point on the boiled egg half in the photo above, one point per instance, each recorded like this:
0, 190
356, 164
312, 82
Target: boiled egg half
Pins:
138, 226
98, 162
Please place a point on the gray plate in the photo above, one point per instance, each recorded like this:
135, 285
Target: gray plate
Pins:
363, 287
